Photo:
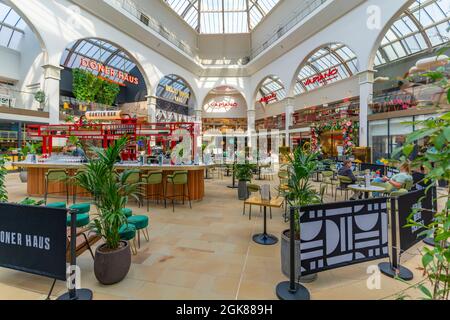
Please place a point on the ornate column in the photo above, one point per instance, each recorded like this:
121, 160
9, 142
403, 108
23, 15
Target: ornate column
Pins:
151, 109
366, 80
52, 78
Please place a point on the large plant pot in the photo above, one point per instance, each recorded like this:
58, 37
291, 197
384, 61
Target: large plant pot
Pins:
23, 176
285, 259
242, 190
112, 266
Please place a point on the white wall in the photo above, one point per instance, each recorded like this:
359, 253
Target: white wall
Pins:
218, 46
10, 64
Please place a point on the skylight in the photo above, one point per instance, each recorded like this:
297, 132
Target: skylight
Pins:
423, 26
222, 16
12, 27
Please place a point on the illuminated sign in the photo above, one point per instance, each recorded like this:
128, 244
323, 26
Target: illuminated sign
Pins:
221, 106
269, 98
323, 77
108, 71
180, 96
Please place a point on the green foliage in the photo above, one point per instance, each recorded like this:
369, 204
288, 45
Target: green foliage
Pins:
89, 88
301, 193
110, 189
31, 202
3, 173
436, 160
39, 96
31, 148
74, 140
244, 171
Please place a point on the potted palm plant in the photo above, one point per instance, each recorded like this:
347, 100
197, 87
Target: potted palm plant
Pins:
111, 193
244, 174
300, 194
29, 153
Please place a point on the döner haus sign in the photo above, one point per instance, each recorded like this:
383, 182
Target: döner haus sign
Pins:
323, 77
108, 71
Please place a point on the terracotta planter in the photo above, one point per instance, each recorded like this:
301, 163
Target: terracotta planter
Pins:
285, 259
112, 267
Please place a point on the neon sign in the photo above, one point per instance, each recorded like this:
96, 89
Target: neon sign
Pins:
269, 98
323, 77
108, 71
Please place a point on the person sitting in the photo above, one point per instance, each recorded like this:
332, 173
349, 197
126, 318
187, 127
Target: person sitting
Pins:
75, 151
346, 171
398, 181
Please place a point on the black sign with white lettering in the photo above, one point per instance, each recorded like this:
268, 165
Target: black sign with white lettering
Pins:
407, 204
33, 239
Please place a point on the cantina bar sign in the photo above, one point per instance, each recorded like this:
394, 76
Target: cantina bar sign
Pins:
323, 77
108, 71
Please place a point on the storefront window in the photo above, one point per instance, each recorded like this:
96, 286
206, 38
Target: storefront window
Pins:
378, 139
398, 130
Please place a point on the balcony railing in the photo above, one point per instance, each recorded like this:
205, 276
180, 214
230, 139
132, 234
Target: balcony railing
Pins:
150, 22
299, 15
15, 99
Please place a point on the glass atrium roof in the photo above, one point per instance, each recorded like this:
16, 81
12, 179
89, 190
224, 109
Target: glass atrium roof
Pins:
12, 27
423, 26
222, 16
99, 51
334, 62
271, 85
170, 87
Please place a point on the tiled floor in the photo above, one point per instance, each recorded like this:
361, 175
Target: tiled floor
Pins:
206, 253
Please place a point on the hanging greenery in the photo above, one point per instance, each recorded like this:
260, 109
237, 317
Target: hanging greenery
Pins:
89, 88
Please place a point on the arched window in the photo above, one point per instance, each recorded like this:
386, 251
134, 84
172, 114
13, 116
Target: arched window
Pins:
12, 27
271, 90
174, 88
329, 64
422, 27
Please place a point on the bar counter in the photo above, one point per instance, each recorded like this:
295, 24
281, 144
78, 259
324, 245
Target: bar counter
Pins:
37, 171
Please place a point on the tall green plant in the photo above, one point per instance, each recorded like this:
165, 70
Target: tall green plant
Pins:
3, 173
244, 171
436, 160
110, 189
301, 193
108, 93
89, 88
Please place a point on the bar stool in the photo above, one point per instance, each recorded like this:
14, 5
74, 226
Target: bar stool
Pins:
176, 179
74, 187
155, 179
135, 178
54, 176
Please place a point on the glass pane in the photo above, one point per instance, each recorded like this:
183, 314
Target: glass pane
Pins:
398, 131
378, 139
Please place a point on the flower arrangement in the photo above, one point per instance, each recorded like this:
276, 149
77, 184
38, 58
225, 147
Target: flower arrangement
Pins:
349, 129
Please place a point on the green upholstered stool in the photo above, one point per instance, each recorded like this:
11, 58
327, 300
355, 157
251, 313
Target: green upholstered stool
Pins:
56, 176
82, 220
128, 232
81, 207
59, 205
178, 178
141, 223
153, 179
127, 212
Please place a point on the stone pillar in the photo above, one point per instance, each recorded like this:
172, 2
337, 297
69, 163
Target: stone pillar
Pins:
198, 116
289, 111
52, 77
151, 109
251, 120
366, 80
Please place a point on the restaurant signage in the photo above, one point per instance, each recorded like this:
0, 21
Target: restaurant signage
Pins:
108, 71
33, 239
8, 101
223, 104
269, 98
322, 77
180, 96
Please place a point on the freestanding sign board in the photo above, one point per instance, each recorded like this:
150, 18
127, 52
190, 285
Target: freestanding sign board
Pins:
33, 239
339, 234
408, 203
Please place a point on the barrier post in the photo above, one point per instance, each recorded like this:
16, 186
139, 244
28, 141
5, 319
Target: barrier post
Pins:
393, 268
291, 290
73, 293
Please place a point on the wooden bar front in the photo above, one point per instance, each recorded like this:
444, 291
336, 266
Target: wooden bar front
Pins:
36, 179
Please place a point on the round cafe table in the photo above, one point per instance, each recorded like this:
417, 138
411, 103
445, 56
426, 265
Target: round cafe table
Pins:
366, 190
